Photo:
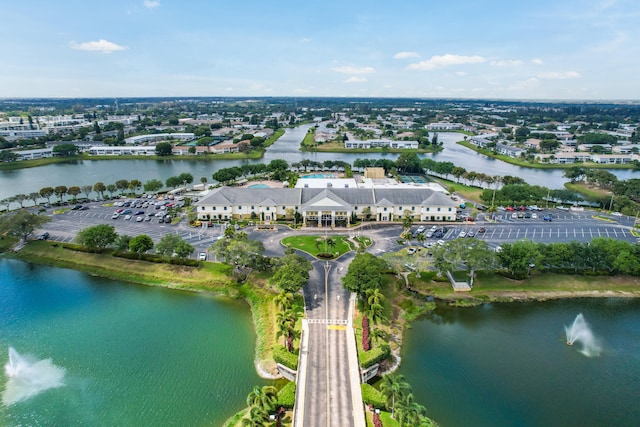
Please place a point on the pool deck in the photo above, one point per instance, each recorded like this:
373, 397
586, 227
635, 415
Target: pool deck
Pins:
269, 184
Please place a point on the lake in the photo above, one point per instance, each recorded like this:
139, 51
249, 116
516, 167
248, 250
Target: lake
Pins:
88, 172
128, 355
509, 365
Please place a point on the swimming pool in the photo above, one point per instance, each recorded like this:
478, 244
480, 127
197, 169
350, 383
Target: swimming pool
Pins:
319, 175
258, 186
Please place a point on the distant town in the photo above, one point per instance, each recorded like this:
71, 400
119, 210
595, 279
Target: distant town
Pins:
531, 133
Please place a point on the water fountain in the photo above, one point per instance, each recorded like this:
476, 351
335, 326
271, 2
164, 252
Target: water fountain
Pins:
580, 333
29, 377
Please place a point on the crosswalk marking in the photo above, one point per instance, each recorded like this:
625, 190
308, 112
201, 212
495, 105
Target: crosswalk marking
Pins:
328, 321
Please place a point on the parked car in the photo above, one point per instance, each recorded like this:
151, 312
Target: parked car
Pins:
116, 215
76, 208
411, 251
547, 217
462, 234
147, 218
127, 217
481, 230
43, 236
514, 215
202, 256
139, 213
139, 219
534, 216
126, 211
420, 229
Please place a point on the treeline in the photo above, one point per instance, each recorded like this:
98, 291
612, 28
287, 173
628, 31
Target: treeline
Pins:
120, 187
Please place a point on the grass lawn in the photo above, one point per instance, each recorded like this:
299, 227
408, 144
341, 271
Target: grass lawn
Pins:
308, 244
210, 276
588, 191
468, 192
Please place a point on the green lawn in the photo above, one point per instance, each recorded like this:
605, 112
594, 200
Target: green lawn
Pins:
308, 244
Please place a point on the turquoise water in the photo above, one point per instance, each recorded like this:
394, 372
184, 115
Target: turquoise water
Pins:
259, 186
319, 175
508, 365
131, 355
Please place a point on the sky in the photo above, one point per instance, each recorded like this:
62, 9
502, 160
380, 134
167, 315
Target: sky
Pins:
492, 49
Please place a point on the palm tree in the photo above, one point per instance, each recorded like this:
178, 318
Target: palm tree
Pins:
379, 334
410, 412
393, 388
258, 417
284, 300
287, 327
263, 397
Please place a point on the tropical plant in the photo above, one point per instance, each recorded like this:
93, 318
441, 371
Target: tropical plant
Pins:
393, 387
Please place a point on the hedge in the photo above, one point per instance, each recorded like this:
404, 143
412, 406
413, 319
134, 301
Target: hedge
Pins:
372, 396
375, 355
282, 356
287, 395
159, 259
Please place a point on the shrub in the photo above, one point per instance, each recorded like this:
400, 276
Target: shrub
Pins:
287, 395
373, 396
284, 357
375, 355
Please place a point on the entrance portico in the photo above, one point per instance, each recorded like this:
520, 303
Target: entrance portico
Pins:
326, 210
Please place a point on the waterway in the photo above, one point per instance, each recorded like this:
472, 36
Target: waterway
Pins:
88, 172
508, 364
129, 355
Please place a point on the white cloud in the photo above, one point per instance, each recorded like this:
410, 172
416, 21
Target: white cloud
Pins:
507, 63
98, 46
440, 61
537, 61
554, 75
305, 40
354, 70
460, 73
404, 55
151, 4
354, 79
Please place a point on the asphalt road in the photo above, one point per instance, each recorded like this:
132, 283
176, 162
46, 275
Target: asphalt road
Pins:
328, 387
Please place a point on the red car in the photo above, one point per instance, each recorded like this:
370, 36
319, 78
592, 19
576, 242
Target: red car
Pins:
509, 208
481, 230
522, 208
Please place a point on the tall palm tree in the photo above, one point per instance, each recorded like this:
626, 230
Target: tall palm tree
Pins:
258, 417
284, 300
393, 388
410, 412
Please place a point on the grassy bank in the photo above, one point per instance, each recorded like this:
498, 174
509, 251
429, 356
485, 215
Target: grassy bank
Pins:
466, 191
540, 286
210, 277
589, 192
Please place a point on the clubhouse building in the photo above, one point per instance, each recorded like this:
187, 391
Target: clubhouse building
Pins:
325, 207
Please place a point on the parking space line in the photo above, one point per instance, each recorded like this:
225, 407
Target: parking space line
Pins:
607, 231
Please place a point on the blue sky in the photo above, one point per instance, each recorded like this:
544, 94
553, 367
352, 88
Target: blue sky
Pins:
545, 49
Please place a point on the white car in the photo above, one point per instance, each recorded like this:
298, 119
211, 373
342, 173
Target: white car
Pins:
411, 251
127, 217
440, 242
462, 234
139, 219
534, 215
202, 256
616, 214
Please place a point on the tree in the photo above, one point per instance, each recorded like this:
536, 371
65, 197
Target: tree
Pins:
87, 189
365, 272
242, 253
292, 273
410, 412
167, 244
518, 257
457, 172
135, 185
47, 192
173, 182
34, 196
140, 244
74, 190
408, 162
152, 186
406, 219
21, 224
65, 150
393, 388
60, 191
164, 149
99, 188
183, 249
284, 300
265, 397
111, 188
98, 237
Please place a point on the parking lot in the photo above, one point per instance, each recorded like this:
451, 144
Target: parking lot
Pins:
64, 227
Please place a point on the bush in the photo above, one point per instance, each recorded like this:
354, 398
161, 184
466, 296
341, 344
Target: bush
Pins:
287, 395
282, 356
375, 355
373, 396
79, 248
